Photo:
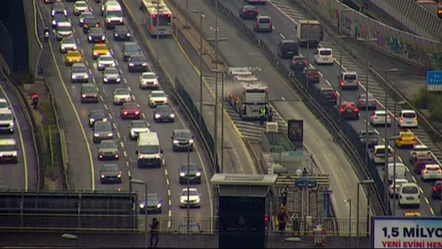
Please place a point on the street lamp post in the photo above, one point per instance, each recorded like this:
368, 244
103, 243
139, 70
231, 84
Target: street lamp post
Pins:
146, 226
188, 188
349, 216
214, 157
201, 61
363, 182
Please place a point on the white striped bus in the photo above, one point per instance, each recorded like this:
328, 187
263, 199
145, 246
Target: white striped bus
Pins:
158, 17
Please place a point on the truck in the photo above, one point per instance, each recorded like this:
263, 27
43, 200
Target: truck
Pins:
308, 33
247, 94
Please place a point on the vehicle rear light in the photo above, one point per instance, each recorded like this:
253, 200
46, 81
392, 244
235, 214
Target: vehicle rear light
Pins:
102, 176
125, 113
342, 110
375, 155
266, 218
414, 139
415, 120
335, 95
425, 171
151, 28
84, 95
306, 63
390, 155
401, 119
341, 82
137, 112
117, 155
100, 156
361, 100
400, 139
355, 109
375, 117
245, 11
293, 63
435, 189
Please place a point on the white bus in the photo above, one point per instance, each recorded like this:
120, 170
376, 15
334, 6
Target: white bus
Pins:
158, 17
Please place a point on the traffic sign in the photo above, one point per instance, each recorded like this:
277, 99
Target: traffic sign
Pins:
306, 182
434, 81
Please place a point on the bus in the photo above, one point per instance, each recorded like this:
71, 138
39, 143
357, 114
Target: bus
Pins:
158, 17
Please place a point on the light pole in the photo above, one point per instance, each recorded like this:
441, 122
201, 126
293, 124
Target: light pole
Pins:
188, 188
341, 66
349, 216
214, 158
68, 236
201, 61
146, 226
158, 32
216, 72
363, 182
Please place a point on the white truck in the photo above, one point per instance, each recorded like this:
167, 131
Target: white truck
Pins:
308, 33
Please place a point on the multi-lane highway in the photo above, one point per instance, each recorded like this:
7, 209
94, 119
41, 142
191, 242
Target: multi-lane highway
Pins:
163, 181
283, 28
22, 175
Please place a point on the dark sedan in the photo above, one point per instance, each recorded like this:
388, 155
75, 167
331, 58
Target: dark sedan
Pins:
329, 94
153, 204
90, 22
96, 35
57, 18
248, 12
96, 115
121, 33
163, 113
371, 137
110, 173
137, 63
190, 173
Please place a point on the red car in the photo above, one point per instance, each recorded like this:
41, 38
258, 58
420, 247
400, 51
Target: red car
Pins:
130, 110
420, 162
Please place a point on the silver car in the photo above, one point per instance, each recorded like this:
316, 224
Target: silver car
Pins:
263, 24
108, 150
102, 131
79, 7
136, 127
363, 104
6, 121
67, 43
111, 75
121, 96
105, 61
79, 73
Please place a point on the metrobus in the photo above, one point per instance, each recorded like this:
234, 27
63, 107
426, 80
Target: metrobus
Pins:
158, 17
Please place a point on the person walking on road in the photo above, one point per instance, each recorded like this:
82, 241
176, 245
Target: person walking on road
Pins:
270, 114
282, 218
154, 232
34, 99
262, 115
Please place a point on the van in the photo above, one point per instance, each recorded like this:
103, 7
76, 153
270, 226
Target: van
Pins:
148, 151
379, 154
401, 171
287, 48
8, 151
263, 24
409, 195
408, 119
112, 14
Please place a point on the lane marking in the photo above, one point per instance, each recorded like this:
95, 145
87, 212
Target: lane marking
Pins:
282, 36
118, 134
125, 156
122, 145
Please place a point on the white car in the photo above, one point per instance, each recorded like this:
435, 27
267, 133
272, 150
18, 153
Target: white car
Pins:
68, 43
419, 150
63, 29
323, 56
149, 80
377, 118
407, 119
379, 154
7, 121
409, 195
191, 198
431, 172
394, 190
80, 7
157, 98
121, 96
105, 61
4, 105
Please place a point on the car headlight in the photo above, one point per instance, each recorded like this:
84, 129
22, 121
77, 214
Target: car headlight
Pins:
85, 76
144, 64
182, 174
113, 64
103, 37
54, 22
197, 199
141, 205
65, 12
133, 133
104, 119
74, 47
53, 12
140, 157
91, 120
105, 79
157, 115
74, 76
110, 134
175, 141
118, 79
191, 141
158, 205
116, 35
131, 64
128, 34
198, 174
89, 38
157, 156
96, 135
172, 115
95, 53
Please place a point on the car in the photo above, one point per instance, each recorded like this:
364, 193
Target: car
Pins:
420, 162
137, 63
370, 136
348, 81
156, 98
83, 16
419, 150
79, 73
153, 204
163, 113
190, 173
182, 139
96, 115
89, 93
393, 190
130, 110
248, 12
409, 195
72, 57
312, 74
4, 105
262, 24
67, 44
412, 214
323, 56
121, 96
90, 22
100, 49
328, 94
380, 118
96, 35
130, 49
190, 197
431, 172
364, 104
378, 155
105, 61
7, 121
102, 130
121, 33
436, 190
51, 1
405, 138
136, 127
62, 30
59, 8
110, 173
256, 1
349, 111
298, 63
149, 80
8, 151
108, 150
111, 75
58, 18
408, 119
80, 7
287, 48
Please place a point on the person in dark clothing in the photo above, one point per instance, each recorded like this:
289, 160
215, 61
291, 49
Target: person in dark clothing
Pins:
154, 232
283, 195
34, 99
305, 172
282, 218
270, 114
262, 115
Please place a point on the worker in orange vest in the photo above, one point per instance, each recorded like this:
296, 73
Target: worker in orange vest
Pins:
34, 99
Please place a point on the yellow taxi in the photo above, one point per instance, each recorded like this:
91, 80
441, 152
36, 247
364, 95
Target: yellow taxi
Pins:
72, 57
412, 214
100, 49
405, 138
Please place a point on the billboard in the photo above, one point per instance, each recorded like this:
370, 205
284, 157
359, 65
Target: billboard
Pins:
296, 130
406, 232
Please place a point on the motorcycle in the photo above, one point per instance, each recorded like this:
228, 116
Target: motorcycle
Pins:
46, 35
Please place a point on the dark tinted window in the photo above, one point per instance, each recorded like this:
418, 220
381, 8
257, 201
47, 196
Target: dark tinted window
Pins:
97, 114
163, 108
382, 151
121, 29
89, 89
131, 48
191, 167
110, 168
328, 91
350, 77
264, 20
409, 115
325, 52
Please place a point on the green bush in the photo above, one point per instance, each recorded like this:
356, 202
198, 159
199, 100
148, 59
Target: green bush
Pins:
431, 101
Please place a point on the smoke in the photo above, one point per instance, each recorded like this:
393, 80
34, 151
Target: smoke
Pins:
231, 87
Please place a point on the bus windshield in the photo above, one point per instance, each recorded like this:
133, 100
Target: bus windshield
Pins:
164, 19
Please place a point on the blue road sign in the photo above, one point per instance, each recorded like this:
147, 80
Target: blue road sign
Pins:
434, 81
306, 183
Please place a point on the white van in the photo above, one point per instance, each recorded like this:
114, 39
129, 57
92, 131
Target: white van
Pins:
8, 151
407, 119
409, 195
149, 151
401, 171
323, 56
112, 14
379, 154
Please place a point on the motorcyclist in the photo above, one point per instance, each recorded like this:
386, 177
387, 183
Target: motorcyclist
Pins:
46, 32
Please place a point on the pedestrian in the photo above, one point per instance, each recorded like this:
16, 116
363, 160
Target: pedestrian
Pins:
305, 172
283, 196
34, 100
282, 218
270, 114
154, 232
262, 115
